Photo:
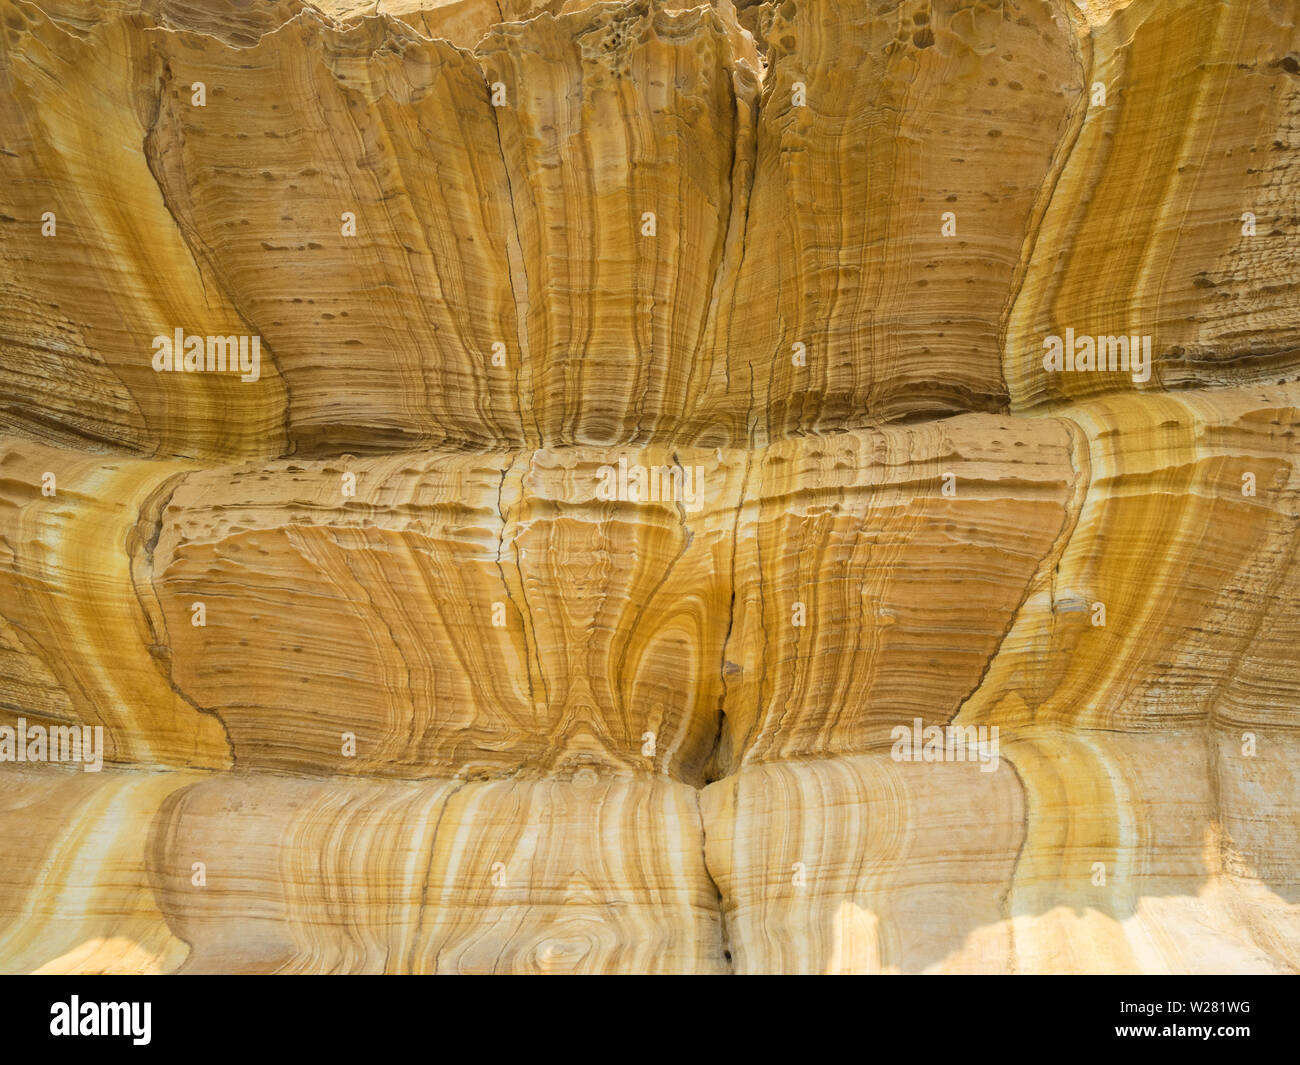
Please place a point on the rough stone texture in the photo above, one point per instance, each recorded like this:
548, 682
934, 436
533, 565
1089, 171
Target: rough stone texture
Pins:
466, 698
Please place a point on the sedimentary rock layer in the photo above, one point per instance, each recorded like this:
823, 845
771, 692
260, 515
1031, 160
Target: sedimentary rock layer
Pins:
1173, 215
650, 537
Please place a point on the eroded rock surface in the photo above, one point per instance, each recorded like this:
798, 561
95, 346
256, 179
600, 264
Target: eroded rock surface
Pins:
653, 536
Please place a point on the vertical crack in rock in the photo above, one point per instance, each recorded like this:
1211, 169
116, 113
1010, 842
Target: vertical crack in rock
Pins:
718, 764
523, 614
517, 269
413, 965
527, 615
1044, 574
1056, 170
142, 539
741, 170
728, 958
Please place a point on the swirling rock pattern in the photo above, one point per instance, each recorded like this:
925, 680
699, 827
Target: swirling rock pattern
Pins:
655, 539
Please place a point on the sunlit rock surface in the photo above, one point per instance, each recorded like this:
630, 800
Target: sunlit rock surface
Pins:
653, 535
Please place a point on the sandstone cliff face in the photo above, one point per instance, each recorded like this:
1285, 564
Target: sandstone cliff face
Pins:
653, 447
